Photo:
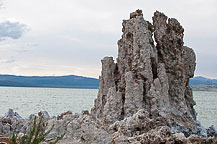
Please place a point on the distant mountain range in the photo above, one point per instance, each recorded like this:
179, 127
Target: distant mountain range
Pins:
199, 80
69, 81
203, 84
72, 81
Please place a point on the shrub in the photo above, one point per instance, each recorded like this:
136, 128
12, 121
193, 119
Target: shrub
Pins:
37, 134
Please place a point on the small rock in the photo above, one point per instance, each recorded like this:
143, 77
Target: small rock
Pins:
59, 117
203, 132
6, 128
44, 114
32, 116
6, 120
211, 131
18, 116
10, 113
85, 112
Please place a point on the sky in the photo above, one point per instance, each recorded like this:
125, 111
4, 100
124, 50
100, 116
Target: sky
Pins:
70, 37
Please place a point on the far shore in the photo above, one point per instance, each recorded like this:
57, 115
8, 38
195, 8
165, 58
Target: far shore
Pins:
51, 87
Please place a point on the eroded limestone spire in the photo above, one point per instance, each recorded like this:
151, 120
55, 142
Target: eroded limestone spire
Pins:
146, 76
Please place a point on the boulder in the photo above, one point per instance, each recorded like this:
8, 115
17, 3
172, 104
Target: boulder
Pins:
11, 114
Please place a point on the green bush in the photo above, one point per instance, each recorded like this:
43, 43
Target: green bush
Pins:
37, 134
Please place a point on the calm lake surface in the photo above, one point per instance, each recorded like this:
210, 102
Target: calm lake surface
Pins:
55, 101
28, 101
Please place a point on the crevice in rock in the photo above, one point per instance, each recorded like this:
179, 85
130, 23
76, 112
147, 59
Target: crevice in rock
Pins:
122, 111
129, 36
116, 77
154, 68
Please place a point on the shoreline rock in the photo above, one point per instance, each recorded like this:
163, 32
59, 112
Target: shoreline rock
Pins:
85, 128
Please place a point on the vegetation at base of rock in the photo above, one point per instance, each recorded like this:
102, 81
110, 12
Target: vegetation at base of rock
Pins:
37, 134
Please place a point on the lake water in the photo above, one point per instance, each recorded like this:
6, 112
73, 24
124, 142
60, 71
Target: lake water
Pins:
55, 101
206, 107
27, 101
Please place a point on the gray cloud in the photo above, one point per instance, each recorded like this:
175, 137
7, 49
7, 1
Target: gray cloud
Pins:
12, 30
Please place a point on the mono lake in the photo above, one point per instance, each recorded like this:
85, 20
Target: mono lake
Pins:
55, 101
28, 101
206, 107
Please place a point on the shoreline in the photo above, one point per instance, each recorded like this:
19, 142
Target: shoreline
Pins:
84, 127
50, 87
199, 87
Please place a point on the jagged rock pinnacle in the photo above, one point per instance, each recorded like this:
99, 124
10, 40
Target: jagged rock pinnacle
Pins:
146, 76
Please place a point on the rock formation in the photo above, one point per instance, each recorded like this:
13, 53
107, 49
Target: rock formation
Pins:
144, 98
148, 76
85, 128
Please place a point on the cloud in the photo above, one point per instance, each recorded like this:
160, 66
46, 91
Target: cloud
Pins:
1, 4
9, 60
12, 30
78, 33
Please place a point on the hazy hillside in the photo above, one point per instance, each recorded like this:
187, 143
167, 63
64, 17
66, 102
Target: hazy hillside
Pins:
203, 84
70, 81
202, 81
73, 81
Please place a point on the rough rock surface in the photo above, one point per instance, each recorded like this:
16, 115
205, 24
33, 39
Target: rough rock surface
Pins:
11, 122
144, 98
154, 78
85, 128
